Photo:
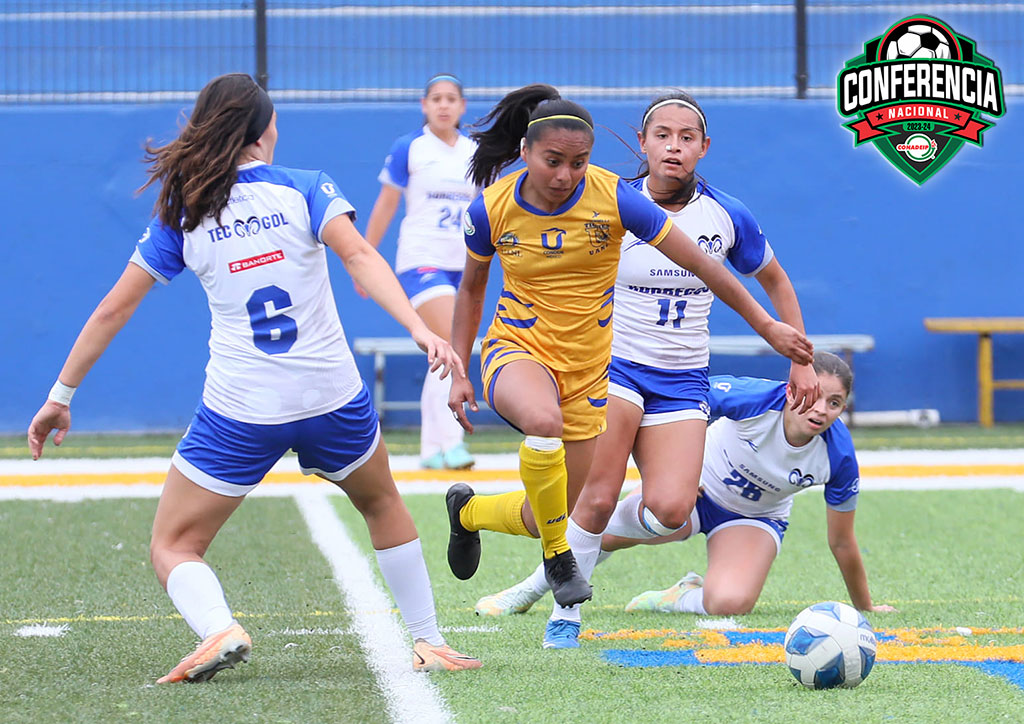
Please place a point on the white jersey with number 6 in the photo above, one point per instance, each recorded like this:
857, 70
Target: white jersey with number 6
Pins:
661, 309
278, 352
432, 176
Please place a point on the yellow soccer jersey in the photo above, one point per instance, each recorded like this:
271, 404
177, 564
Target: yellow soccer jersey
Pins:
559, 268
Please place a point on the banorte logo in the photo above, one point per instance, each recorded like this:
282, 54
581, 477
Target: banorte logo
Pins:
917, 93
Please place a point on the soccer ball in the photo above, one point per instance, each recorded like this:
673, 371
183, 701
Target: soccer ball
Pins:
918, 41
830, 644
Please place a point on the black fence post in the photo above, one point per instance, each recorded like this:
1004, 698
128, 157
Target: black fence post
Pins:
261, 43
800, 6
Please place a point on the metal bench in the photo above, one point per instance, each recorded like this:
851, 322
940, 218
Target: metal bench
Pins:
984, 327
739, 345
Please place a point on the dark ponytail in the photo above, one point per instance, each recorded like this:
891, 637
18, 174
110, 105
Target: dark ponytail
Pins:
197, 169
516, 116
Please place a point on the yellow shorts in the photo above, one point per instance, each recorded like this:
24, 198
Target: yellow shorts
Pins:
582, 394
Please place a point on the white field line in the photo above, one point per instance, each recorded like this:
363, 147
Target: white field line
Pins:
42, 630
411, 696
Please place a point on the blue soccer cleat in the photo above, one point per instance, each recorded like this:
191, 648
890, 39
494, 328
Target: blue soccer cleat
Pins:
562, 634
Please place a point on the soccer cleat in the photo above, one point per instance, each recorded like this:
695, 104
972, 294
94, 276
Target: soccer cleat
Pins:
458, 458
218, 651
561, 634
427, 657
434, 462
517, 599
665, 601
463, 545
568, 585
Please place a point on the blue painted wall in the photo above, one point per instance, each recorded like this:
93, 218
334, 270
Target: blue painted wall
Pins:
868, 251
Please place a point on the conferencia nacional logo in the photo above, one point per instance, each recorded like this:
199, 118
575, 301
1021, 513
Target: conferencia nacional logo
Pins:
918, 92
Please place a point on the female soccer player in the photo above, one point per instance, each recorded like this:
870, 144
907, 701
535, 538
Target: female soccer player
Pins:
429, 167
758, 455
658, 391
280, 374
557, 227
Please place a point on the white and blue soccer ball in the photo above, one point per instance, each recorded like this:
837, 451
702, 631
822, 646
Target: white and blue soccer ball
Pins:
830, 644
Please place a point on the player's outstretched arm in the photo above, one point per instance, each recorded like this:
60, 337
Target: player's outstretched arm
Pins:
786, 340
112, 313
469, 303
804, 389
369, 270
380, 219
843, 543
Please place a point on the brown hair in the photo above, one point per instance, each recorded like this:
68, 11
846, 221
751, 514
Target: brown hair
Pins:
197, 169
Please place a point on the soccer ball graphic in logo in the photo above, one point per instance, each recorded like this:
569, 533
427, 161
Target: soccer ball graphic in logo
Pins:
917, 41
830, 644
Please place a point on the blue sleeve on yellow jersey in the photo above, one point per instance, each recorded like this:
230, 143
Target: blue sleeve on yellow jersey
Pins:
396, 165
159, 251
638, 213
476, 228
751, 252
844, 480
740, 398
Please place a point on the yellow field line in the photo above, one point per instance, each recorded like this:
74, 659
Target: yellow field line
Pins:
150, 478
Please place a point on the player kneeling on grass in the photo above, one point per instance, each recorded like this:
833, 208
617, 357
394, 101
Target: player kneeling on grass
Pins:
280, 374
757, 456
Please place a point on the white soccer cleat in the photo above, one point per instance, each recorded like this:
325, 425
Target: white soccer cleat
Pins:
665, 601
511, 601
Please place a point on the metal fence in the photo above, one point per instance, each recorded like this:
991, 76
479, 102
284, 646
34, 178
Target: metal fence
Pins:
113, 51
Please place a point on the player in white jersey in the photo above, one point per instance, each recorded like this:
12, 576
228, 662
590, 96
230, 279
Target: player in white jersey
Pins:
658, 387
428, 168
280, 374
759, 453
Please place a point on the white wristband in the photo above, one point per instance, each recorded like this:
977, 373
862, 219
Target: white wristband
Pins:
61, 393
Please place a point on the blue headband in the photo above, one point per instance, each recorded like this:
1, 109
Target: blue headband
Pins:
439, 78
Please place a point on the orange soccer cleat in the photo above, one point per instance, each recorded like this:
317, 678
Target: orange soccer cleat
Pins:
217, 651
427, 657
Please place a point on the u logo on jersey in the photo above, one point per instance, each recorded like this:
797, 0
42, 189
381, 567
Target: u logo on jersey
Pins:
551, 239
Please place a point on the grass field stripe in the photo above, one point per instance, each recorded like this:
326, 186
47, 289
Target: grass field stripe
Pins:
411, 696
868, 473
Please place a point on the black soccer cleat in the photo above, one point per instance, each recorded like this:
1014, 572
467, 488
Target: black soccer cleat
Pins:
568, 585
463, 545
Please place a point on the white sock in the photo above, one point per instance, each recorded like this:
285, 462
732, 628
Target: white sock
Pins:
537, 581
602, 557
439, 430
692, 602
199, 598
585, 548
405, 573
625, 520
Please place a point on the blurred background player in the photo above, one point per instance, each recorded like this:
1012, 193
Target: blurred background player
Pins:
557, 227
658, 390
758, 455
280, 375
428, 167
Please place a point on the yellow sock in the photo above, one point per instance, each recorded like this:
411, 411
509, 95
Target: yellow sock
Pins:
501, 513
545, 479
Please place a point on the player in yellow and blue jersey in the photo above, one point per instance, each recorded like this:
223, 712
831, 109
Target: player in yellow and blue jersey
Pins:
557, 227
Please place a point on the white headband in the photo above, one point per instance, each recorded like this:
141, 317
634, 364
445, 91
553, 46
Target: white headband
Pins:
680, 102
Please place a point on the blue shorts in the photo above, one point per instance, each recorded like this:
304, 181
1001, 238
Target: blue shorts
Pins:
427, 282
664, 395
230, 457
709, 517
